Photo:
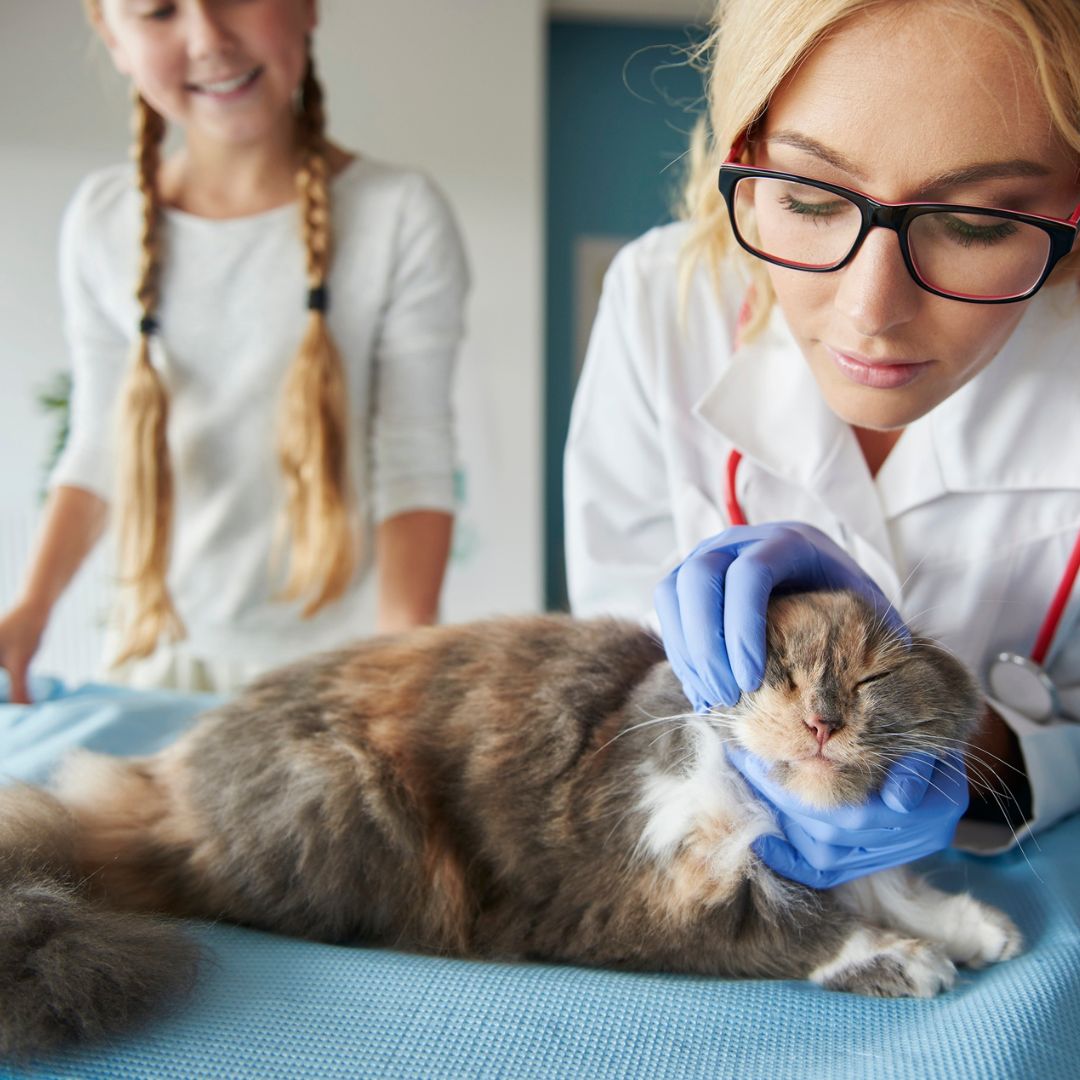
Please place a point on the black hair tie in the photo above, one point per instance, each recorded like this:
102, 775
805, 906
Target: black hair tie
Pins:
317, 298
148, 325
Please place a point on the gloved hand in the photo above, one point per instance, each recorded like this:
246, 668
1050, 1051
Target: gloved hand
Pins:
914, 814
712, 606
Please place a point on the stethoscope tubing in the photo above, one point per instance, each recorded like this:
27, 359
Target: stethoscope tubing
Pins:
1054, 613
1057, 606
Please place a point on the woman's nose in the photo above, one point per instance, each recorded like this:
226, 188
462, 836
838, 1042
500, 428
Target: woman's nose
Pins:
875, 291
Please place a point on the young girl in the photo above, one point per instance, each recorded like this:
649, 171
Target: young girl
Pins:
291, 312
860, 354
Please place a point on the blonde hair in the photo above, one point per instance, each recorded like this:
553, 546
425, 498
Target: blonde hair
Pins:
755, 44
321, 513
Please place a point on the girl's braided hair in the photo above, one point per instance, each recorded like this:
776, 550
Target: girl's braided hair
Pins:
321, 511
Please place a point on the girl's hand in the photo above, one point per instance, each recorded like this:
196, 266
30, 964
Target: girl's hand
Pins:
712, 606
913, 815
20, 635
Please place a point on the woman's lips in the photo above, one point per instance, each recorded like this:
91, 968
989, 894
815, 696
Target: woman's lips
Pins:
879, 374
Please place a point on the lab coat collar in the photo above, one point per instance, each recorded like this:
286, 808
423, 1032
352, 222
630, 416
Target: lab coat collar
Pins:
1016, 425
766, 402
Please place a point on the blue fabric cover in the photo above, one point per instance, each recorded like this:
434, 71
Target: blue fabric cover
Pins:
271, 1007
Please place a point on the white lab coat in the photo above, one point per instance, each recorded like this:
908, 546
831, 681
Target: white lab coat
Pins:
967, 527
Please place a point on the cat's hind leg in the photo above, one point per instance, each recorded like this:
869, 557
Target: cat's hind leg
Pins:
970, 932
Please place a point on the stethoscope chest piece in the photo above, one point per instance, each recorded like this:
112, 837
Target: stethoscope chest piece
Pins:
1020, 683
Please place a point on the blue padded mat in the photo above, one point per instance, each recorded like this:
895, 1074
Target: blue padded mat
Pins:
270, 1007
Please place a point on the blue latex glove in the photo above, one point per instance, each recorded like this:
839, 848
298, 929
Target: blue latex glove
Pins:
914, 814
712, 606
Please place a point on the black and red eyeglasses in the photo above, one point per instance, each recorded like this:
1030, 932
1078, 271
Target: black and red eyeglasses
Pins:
975, 254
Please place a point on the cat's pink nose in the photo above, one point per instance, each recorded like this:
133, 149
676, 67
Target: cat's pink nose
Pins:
822, 729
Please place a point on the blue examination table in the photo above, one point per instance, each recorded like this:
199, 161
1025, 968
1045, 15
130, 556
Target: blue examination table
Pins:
271, 1007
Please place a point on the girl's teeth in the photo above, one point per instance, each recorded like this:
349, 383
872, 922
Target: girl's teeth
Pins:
228, 86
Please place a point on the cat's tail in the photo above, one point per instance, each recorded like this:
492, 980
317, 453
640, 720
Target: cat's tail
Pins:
70, 968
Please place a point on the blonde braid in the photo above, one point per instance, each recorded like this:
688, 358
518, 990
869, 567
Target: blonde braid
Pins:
314, 416
146, 484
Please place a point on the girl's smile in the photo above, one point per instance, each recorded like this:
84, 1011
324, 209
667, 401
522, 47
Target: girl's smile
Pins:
226, 88
226, 73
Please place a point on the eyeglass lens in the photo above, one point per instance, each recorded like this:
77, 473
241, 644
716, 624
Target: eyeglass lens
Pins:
970, 254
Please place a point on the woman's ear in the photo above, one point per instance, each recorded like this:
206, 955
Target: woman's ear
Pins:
311, 15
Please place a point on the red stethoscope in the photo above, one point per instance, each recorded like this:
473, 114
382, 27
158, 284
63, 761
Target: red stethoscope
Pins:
1017, 681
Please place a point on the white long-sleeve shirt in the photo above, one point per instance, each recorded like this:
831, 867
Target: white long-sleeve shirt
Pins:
232, 311
967, 527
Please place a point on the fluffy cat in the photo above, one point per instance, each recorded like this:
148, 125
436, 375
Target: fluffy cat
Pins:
530, 788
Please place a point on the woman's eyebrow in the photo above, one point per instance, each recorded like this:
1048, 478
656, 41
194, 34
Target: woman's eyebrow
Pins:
965, 174
798, 141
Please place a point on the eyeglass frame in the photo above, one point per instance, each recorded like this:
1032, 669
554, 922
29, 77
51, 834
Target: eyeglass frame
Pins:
897, 217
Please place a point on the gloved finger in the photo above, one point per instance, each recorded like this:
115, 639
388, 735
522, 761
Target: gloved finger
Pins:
699, 586
948, 794
842, 825
815, 561
755, 771
905, 785
749, 584
666, 602
845, 826
873, 850
780, 857
819, 855
787, 557
867, 823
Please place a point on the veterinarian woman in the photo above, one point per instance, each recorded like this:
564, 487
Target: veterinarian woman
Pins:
857, 362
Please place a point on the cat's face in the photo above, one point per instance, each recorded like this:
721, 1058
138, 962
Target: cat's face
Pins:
843, 698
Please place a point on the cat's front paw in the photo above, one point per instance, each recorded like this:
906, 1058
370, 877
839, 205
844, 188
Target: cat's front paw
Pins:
991, 936
880, 964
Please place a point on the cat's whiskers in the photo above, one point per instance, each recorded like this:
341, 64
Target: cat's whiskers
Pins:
675, 718
881, 756
974, 774
979, 774
980, 785
965, 746
682, 727
911, 573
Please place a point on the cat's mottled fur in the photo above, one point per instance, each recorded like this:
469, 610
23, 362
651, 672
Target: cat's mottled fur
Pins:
519, 788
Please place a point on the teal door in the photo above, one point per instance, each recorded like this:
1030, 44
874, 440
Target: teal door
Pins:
621, 103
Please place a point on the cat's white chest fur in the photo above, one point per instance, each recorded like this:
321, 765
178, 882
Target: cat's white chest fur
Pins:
699, 824
701, 820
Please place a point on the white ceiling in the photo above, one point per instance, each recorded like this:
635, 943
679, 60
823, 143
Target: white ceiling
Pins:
691, 11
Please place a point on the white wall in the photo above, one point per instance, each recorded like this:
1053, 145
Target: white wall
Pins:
455, 88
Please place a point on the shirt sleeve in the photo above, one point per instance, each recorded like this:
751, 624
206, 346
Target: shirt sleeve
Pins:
98, 351
412, 425
620, 529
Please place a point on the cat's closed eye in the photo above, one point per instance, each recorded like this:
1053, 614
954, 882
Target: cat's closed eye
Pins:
876, 677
